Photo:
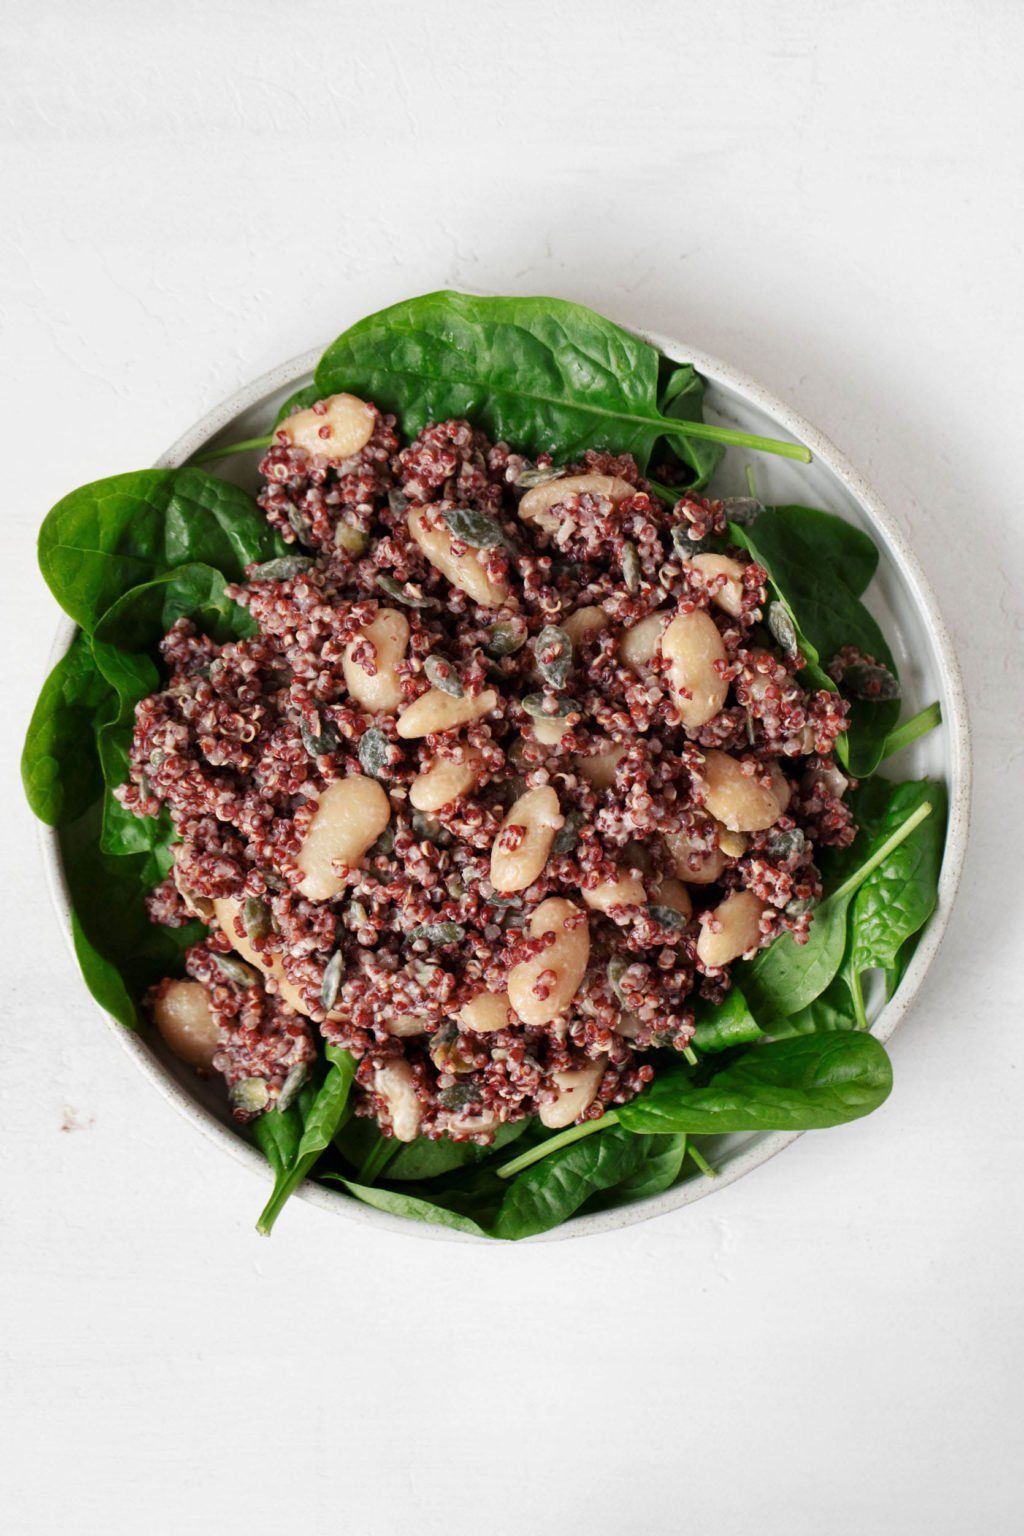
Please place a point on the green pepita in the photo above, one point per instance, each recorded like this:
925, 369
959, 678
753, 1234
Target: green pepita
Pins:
443, 675
473, 528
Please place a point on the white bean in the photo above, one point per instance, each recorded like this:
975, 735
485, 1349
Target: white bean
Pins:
782, 789
350, 816
536, 506
729, 595
577, 1090
485, 1013
537, 813
443, 781
397, 1087
585, 622
694, 862
731, 929
466, 571
600, 769
404, 1025
692, 645
674, 895
436, 711
334, 428
626, 890
182, 1015
638, 646
565, 960
388, 633
548, 732
732, 843
226, 909
736, 799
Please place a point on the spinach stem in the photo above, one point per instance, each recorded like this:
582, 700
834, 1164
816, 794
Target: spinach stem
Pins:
702, 1162
212, 454
691, 1056
751, 485
911, 730
377, 1159
857, 993
555, 1144
856, 880
732, 438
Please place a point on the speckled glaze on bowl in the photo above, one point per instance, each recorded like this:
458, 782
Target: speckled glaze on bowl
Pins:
899, 597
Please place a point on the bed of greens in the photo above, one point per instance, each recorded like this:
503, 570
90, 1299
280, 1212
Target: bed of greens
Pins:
790, 1047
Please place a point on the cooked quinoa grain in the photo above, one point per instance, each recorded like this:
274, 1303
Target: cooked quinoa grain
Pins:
524, 815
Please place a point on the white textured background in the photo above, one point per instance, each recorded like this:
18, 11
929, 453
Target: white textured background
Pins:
830, 196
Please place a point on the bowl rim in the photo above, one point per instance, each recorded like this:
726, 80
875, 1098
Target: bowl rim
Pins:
955, 719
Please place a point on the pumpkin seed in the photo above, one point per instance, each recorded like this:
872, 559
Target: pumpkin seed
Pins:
783, 843
668, 917
282, 569
553, 652
782, 627
542, 706
444, 676
528, 478
319, 740
237, 971
374, 751
506, 637
395, 589
568, 835
473, 528
503, 901
459, 1095
686, 547
398, 501
295, 1080
257, 918
618, 965
863, 680
742, 510
250, 1095
299, 523
427, 828
444, 1051
334, 972
800, 904
385, 844
440, 933
630, 567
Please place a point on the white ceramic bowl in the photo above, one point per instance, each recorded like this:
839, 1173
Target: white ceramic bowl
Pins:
901, 601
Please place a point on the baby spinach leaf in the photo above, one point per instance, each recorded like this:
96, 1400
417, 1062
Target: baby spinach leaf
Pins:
803, 1084
682, 396
140, 617
415, 1207
659, 1171
837, 545
115, 534
103, 978
548, 1193
541, 373
301, 400
425, 1159
320, 1118
831, 1011
725, 1024
58, 764
899, 896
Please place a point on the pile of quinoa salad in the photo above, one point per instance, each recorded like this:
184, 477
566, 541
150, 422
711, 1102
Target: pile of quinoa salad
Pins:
509, 777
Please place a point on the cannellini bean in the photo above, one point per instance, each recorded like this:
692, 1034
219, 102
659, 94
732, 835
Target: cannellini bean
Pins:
585, 622
436, 711
443, 781
565, 960
729, 596
732, 843
404, 1025
397, 1087
464, 571
577, 1090
600, 769
388, 633
626, 890
226, 909
182, 1015
547, 732
536, 506
350, 816
674, 895
537, 812
472, 1125
335, 428
485, 1013
740, 802
638, 646
694, 863
691, 645
782, 789
731, 929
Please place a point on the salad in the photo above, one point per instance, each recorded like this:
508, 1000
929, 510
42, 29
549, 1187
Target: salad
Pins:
489, 807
